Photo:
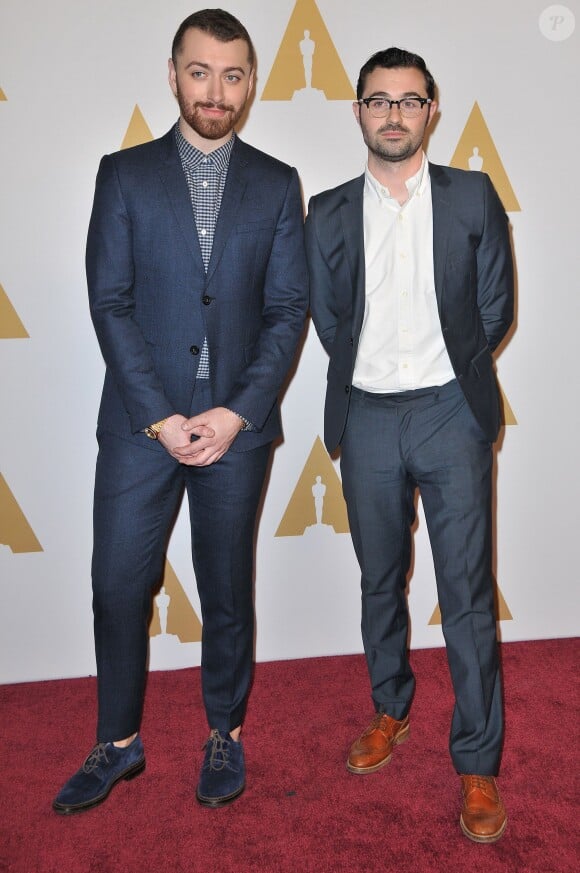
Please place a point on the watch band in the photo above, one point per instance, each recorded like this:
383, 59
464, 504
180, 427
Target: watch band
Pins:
153, 430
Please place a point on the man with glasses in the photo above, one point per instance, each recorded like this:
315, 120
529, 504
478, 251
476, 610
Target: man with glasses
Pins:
411, 291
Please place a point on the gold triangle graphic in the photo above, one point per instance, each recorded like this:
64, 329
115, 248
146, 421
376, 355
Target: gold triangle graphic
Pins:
182, 618
138, 131
502, 610
10, 325
307, 37
508, 416
318, 483
14, 529
476, 151
3, 95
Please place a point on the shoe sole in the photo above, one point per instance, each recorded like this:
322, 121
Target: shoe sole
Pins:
127, 775
478, 838
216, 802
361, 771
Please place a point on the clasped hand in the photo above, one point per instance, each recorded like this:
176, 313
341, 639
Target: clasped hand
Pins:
214, 431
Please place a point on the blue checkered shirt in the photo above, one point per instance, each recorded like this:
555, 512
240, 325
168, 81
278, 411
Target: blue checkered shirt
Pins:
206, 179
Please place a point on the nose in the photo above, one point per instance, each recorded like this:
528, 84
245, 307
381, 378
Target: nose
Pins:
395, 109
216, 89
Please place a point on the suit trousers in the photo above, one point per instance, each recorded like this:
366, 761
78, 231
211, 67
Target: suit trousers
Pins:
394, 443
138, 491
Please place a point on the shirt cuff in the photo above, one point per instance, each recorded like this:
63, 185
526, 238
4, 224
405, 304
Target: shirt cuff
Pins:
247, 425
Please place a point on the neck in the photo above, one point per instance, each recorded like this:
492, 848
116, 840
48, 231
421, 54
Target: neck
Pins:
199, 142
394, 174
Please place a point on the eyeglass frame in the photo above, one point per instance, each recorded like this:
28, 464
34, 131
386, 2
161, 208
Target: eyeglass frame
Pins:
422, 100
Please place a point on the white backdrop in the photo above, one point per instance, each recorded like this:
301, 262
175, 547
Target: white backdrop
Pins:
71, 74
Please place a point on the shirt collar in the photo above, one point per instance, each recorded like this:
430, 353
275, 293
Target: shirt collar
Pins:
415, 185
192, 157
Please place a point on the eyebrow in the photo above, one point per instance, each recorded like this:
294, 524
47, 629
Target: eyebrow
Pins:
208, 67
388, 96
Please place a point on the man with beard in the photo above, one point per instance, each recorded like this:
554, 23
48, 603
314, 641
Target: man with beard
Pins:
411, 291
198, 292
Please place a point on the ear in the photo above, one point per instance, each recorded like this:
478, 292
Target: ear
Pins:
251, 80
356, 111
433, 107
172, 76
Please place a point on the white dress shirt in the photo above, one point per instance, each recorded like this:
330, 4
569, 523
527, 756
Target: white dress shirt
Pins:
401, 345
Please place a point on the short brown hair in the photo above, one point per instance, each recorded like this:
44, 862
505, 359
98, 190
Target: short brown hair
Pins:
217, 23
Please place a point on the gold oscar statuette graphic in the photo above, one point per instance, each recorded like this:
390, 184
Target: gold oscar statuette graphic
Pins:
2, 95
10, 325
173, 612
508, 416
15, 531
476, 151
138, 131
317, 500
307, 64
502, 610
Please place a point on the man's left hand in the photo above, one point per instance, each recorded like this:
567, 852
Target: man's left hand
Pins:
225, 424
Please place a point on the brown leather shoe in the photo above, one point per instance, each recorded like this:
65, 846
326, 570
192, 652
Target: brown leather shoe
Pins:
483, 816
374, 748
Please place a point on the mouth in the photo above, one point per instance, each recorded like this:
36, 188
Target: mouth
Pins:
392, 132
215, 109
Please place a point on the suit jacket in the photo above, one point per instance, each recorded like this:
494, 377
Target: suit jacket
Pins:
152, 302
473, 283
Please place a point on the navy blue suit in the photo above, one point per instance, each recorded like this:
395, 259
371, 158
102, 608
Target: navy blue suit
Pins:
152, 304
438, 439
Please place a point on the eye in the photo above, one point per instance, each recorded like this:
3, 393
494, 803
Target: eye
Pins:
410, 104
198, 74
377, 103
232, 77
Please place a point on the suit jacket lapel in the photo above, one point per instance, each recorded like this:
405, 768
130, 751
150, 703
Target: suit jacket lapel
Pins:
173, 179
231, 201
441, 225
351, 213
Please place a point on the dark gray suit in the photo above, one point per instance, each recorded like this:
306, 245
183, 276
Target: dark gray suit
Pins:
438, 439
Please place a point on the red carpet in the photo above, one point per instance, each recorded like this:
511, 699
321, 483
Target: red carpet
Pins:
302, 811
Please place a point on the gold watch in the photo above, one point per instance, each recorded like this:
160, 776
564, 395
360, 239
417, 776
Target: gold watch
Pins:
153, 430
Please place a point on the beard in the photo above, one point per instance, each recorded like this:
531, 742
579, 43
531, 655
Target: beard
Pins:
209, 128
390, 151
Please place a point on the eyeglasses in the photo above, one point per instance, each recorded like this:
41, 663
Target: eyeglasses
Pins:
409, 107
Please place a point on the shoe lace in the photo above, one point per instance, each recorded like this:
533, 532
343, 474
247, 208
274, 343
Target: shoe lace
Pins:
96, 757
219, 753
479, 781
380, 721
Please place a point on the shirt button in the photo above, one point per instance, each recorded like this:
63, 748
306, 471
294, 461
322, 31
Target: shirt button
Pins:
194, 350
204, 184
203, 232
206, 300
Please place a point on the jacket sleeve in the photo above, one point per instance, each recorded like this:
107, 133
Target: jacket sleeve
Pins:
285, 301
495, 273
322, 298
110, 278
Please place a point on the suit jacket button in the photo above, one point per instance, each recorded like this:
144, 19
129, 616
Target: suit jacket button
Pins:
350, 341
206, 300
347, 389
194, 350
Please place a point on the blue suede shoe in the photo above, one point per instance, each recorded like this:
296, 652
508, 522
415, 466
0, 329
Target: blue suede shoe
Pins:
105, 766
223, 774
